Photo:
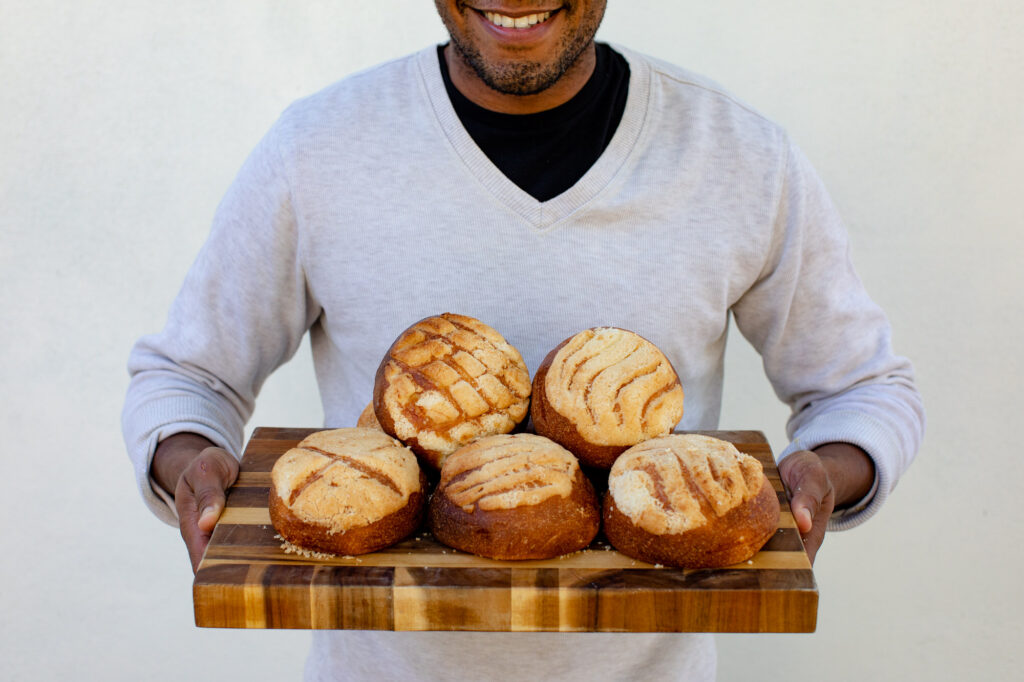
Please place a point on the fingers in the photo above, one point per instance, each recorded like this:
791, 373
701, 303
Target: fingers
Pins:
812, 497
199, 498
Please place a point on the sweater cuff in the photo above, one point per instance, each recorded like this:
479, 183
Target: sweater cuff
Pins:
148, 424
867, 433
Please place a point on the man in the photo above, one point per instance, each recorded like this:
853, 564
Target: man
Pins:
543, 183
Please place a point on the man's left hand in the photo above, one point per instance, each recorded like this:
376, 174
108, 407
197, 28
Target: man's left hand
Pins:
811, 496
833, 475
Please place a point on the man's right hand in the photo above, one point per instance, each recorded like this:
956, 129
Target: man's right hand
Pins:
199, 473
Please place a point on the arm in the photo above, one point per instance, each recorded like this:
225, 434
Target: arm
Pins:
241, 312
857, 418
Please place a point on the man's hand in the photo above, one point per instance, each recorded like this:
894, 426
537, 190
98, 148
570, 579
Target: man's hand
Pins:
199, 473
833, 476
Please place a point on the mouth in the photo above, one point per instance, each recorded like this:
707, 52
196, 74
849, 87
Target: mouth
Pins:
522, 22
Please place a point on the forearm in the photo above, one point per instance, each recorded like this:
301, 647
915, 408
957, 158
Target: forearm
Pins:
850, 470
172, 457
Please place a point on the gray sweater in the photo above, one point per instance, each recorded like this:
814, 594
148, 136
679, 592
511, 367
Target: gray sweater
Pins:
367, 207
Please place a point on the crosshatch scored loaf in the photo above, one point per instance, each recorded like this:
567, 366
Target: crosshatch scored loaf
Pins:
347, 491
689, 500
515, 496
446, 381
603, 390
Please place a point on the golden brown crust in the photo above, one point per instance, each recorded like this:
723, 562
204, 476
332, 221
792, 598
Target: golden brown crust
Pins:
346, 491
368, 419
690, 501
548, 422
500, 500
362, 540
727, 540
597, 426
446, 381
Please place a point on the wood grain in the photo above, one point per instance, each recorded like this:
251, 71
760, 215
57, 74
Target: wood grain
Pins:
246, 580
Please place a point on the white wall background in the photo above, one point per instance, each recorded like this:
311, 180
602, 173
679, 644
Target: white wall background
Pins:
122, 123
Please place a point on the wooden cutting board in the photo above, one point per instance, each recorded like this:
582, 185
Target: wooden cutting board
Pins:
245, 579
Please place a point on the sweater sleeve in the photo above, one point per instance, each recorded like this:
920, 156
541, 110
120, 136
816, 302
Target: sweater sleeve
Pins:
826, 345
241, 313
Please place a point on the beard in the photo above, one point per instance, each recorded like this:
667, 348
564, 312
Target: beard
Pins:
524, 78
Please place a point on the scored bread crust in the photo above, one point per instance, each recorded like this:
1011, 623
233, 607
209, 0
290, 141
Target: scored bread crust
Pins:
514, 527
446, 381
727, 540
717, 531
382, 533
601, 449
551, 424
347, 491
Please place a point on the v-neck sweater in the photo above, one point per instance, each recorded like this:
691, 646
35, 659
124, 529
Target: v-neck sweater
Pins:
547, 152
540, 215
367, 207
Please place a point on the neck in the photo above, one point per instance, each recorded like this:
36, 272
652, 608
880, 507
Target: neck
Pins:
466, 81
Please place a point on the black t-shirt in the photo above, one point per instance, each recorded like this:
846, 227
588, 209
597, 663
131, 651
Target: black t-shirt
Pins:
547, 152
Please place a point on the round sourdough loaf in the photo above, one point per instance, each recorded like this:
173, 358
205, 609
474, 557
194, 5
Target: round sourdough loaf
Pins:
367, 418
603, 390
515, 496
447, 381
347, 491
690, 501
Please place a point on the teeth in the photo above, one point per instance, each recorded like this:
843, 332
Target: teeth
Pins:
516, 22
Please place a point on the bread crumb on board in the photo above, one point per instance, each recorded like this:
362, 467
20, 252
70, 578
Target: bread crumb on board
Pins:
289, 548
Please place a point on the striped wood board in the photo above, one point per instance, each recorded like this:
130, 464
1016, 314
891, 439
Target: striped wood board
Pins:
246, 580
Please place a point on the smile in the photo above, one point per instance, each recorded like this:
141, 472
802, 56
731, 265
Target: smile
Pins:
506, 21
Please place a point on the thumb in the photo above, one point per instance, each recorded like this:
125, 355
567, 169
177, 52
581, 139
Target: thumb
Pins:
801, 514
807, 485
209, 514
209, 476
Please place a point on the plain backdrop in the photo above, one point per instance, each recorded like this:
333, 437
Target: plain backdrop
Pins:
122, 124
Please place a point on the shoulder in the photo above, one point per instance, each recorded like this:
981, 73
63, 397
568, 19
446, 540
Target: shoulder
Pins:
680, 94
360, 100
680, 81
386, 78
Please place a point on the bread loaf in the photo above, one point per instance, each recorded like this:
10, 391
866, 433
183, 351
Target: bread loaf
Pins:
690, 501
367, 418
347, 491
603, 390
447, 381
516, 496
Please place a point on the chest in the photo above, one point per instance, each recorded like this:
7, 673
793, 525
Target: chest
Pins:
669, 275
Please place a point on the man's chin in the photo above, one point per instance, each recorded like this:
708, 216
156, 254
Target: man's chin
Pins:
518, 80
